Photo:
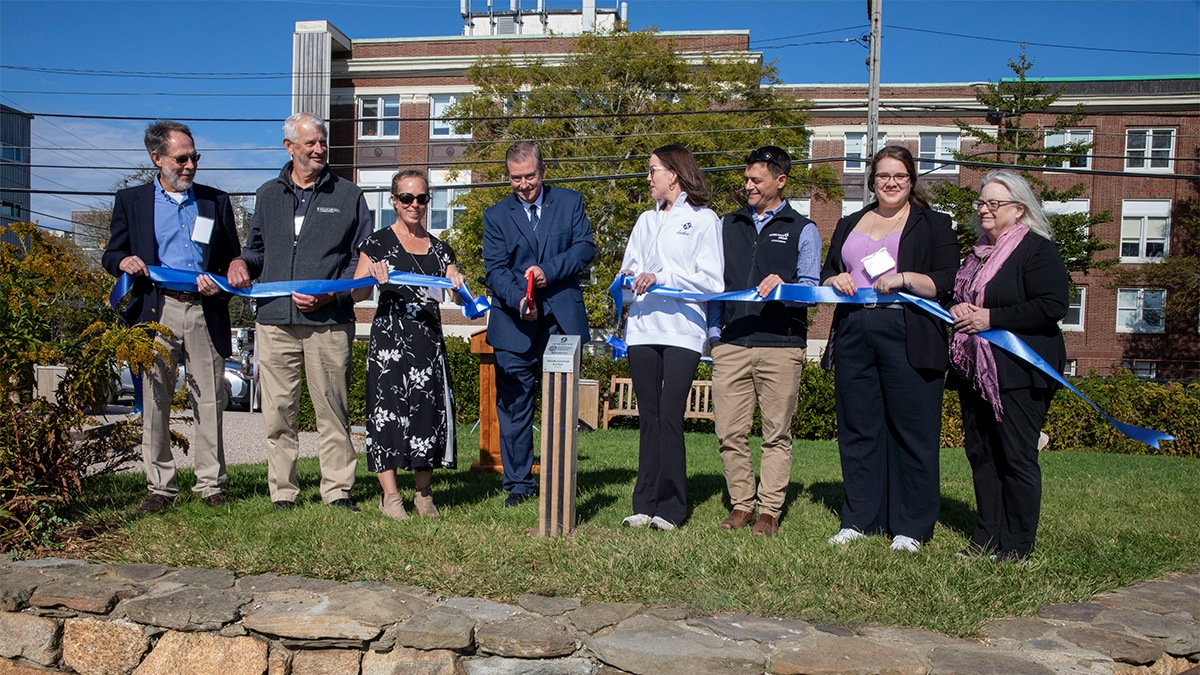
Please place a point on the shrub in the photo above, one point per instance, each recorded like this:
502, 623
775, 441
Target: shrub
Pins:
53, 309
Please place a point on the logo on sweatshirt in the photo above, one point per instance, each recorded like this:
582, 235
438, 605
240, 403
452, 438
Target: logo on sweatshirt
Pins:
683, 229
779, 237
328, 209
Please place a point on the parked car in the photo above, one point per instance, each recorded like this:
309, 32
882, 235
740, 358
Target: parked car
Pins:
239, 388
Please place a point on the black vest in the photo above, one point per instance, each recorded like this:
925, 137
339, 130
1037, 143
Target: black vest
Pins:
750, 256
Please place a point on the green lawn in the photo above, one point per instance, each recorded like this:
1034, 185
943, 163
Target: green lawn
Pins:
1107, 521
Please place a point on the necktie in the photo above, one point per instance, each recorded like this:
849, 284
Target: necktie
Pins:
533, 216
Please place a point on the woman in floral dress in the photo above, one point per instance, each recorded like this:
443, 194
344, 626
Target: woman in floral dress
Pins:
410, 406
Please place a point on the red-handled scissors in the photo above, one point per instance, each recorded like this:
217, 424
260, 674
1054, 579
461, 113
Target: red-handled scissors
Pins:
529, 289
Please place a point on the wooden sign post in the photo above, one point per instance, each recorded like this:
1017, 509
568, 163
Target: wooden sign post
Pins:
560, 435
489, 424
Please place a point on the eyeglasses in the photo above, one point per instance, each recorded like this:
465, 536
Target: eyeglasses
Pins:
993, 205
182, 160
407, 198
656, 168
883, 178
756, 156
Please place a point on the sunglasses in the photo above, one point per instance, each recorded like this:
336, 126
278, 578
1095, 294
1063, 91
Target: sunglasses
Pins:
182, 160
764, 156
407, 198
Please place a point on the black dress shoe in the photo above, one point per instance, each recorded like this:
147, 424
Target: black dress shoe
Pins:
155, 503
344, 503
515, 499
284, 505
216, 501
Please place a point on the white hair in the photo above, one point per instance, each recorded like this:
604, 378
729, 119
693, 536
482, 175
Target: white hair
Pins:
1022, 193
290, 124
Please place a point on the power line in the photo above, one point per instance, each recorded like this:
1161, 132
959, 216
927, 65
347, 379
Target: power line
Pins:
1042, 44
804, 35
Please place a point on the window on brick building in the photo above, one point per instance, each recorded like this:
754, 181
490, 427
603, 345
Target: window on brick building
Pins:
854, 148
1069, 368
379, 117
1057, 139
936, 147
1140, 310
802, 206
437, 110
441, 188
851, 206
1146, 370
1076, 308
1149, 149
1072, 207
1145, 229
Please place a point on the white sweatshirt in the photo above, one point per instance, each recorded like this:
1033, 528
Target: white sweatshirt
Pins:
682, 248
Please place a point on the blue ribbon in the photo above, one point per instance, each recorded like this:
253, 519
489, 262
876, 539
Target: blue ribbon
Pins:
865, 296
179, 280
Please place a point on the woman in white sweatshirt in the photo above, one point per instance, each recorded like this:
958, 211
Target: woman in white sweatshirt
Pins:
677, 244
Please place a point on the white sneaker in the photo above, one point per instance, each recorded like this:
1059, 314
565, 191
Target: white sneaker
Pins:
845, 536
657, 523
636, 520
903, 543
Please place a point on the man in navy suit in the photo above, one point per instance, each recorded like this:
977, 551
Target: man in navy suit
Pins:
540, 233
174, 222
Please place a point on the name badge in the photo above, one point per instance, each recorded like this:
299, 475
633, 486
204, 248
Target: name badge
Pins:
878, 262
202, 230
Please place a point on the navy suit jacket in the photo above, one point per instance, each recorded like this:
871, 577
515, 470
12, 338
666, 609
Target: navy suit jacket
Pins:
132, 233
510, 246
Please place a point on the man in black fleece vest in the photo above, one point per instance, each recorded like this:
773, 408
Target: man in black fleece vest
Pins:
308, 224
758, 348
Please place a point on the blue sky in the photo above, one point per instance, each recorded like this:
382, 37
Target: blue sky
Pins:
811, 40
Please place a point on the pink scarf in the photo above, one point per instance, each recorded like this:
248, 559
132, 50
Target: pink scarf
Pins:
971, 354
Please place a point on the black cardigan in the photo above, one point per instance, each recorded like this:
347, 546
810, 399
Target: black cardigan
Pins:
928, 246
1028, 297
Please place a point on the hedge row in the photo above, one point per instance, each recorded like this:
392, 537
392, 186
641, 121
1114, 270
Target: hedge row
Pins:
1172, 408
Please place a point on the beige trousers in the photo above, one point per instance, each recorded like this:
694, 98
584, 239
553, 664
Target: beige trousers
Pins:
205, 381
323, 352
768, 377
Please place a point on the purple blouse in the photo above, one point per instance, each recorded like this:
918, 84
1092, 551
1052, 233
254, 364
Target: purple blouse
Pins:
858, 246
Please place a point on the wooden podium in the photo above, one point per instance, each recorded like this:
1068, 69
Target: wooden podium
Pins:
560, 435
489, 424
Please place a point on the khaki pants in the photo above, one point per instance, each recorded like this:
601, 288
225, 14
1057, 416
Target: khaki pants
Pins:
324, 354
768, 377
205, 381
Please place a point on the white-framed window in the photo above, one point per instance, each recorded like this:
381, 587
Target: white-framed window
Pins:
379, 117
851, 206
377, 190
12, 153
936, 147
442, 212
1057, 139
1145, 229
1149, 149
854, 148
1140, 310
802, 206
1070, 207
1145, 370
1076, 308
1069, 368
437, 109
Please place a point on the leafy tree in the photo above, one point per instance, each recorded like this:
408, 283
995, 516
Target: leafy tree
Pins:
1178, 273
598, 116
1017, 144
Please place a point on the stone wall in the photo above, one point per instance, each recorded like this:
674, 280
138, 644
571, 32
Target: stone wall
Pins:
71, 616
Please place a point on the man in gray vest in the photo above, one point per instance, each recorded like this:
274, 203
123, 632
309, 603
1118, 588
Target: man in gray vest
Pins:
758, 348
308, 224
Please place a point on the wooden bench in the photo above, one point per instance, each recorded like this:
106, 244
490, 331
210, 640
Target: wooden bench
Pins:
622, 401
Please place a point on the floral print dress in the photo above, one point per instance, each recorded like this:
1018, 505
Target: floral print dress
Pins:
410, 406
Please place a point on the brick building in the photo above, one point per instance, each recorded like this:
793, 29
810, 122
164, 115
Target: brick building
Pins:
384, 98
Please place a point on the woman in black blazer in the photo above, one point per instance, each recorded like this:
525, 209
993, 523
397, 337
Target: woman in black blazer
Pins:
1014, 280
890, 360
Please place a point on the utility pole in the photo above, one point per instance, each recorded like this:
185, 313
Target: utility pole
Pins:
875, 14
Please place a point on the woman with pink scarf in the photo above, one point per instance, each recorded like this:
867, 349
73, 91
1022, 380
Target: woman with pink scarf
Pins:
1013, 279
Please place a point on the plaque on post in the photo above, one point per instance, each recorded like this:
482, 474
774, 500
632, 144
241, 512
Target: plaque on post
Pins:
560, 435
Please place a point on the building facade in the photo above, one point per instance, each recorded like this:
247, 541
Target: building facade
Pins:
384, 98
14, 168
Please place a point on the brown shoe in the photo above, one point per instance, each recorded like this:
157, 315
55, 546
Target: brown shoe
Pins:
392, 504
766, 526
738, 519
155, 503
424, 503
217, 501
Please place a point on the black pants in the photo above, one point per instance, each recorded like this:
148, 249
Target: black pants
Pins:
1004, 466
662, 380
889, 427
